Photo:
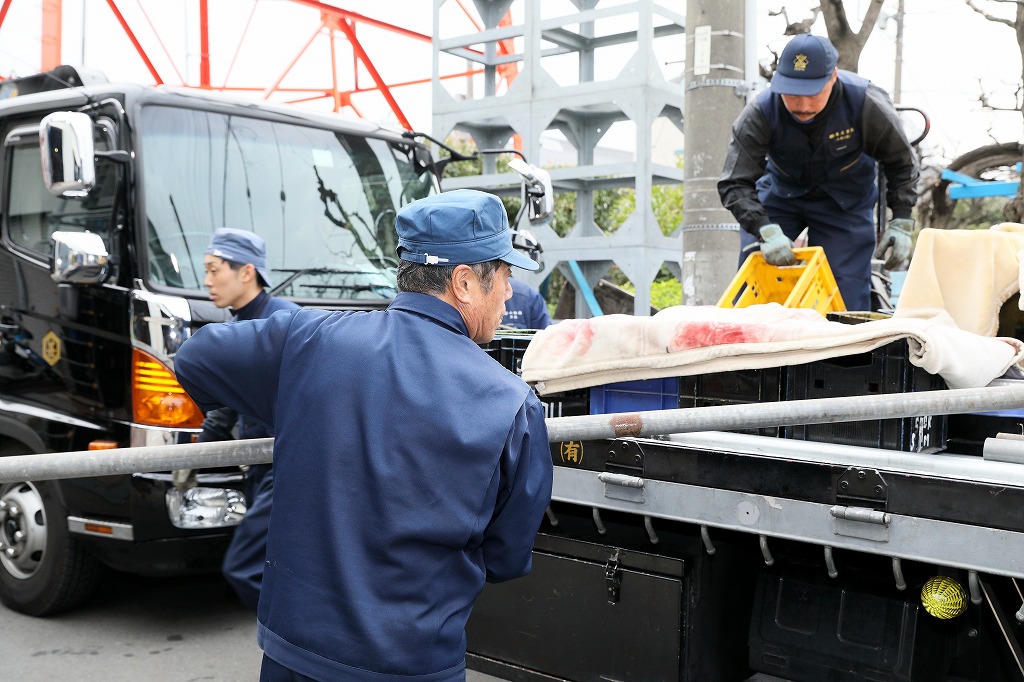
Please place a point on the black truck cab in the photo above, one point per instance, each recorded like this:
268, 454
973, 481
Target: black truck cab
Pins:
109, 195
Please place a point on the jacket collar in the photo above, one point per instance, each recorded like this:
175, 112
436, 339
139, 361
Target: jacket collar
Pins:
251, 310
431, 307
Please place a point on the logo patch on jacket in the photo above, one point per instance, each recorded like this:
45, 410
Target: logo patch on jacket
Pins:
840, 135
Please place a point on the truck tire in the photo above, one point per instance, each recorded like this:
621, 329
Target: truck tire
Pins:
43, 570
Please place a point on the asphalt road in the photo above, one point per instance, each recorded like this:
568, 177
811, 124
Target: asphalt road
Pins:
158, 630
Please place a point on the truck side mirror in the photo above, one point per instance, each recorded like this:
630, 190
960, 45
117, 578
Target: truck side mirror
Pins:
540, 195
422, 158
79, 258
68, 154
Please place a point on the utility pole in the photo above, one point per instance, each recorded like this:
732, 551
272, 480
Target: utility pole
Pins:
720, 37
897, 84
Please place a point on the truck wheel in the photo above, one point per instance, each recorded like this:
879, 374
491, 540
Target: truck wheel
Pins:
43, 570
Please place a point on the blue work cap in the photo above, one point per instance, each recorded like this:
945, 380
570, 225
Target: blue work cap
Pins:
461, 227
805, 67
242, 247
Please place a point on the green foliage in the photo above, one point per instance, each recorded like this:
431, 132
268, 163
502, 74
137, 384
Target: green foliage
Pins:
666, 293
975, 214
612, 207
458, 169
667, 204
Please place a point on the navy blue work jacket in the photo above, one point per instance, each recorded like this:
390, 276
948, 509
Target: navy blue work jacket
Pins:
218, 424
526, 308
772, 155
409, 467
839, 166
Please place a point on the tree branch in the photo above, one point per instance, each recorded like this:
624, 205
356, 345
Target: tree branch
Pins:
987, 104
992, 17
870, 19
842, 23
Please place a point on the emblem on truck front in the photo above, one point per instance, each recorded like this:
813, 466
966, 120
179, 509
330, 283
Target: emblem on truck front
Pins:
51, 348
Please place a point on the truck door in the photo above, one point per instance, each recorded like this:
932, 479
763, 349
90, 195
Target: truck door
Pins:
63, 347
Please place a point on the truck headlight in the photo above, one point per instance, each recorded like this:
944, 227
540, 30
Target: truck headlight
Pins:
205, 507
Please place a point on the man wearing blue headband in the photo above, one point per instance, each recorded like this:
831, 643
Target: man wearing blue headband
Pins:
803, 154
409, 467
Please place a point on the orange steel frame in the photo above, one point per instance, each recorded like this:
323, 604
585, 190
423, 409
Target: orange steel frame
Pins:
334, 20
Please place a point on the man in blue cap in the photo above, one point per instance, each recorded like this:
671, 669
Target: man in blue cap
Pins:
526, 308
803, 154
236, 274
409, 466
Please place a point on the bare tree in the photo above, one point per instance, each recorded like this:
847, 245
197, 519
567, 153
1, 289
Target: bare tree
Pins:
797, 27
1014, 211
848, 42
1017, 24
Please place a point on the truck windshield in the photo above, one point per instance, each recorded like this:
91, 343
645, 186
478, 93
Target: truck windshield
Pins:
325, 201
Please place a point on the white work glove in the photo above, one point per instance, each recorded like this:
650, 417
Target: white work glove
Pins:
775, 246
896, 241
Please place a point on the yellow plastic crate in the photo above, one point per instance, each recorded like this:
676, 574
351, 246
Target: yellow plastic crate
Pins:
808, 284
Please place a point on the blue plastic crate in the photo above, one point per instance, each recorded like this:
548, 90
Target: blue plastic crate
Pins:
635, 396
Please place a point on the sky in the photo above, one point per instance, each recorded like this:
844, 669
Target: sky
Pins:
950, 55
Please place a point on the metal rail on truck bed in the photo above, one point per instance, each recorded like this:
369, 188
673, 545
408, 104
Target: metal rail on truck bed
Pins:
951, 510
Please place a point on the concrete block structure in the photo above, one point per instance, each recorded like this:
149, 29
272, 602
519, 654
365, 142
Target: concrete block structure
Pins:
596, 95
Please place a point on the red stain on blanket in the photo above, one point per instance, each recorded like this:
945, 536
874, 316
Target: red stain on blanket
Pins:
570, 337
700, 334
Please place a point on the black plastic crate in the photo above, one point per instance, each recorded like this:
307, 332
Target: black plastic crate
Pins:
885, 370
508, 350
735, 388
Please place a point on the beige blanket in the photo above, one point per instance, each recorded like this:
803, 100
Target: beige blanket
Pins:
685, 340
967, 273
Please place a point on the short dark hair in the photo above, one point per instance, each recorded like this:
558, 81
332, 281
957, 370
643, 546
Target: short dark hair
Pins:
236, 266
434, 279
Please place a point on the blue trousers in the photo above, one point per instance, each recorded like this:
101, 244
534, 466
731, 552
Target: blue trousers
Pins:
847, 236
247, 553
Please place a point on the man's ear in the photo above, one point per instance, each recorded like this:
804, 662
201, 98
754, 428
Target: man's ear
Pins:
248, 272
462, 282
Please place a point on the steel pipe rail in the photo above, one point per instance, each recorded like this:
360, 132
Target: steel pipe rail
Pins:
785, 413
47, 466
51, 465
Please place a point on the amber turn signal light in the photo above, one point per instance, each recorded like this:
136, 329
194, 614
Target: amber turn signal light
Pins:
157, 397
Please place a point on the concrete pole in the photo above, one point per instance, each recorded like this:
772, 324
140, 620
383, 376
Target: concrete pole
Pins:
716, 85
897, 85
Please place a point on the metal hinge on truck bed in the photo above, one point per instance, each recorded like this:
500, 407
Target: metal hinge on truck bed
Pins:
862, 496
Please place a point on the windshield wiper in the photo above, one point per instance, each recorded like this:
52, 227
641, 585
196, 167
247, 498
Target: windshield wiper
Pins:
375, 288
301, 272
